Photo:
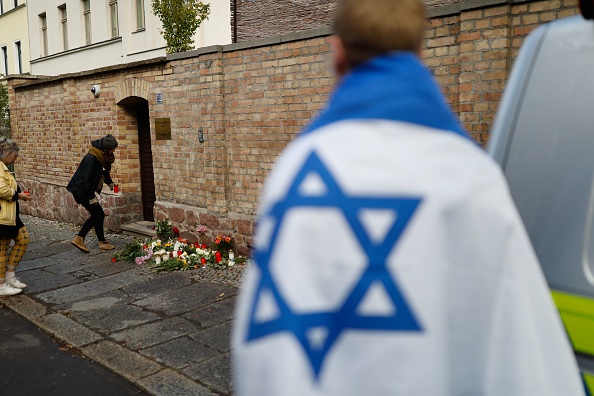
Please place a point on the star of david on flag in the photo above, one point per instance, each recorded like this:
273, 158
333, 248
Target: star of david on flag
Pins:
318, 331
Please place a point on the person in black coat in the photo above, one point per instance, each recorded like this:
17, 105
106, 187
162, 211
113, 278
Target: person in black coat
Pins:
86, 184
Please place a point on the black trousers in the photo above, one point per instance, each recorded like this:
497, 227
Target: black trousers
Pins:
95, 221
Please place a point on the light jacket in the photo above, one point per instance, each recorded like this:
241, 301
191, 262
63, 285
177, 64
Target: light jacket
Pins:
8, 192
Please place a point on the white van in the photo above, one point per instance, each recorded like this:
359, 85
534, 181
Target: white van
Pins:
543, 137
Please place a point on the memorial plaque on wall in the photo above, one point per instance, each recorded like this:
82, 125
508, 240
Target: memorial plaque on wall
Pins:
163, 128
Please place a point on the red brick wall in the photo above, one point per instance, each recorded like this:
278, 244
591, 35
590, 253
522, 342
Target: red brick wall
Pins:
256, 19
250, 100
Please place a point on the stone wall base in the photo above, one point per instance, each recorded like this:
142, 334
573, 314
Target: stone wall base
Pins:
188, 218
54, 202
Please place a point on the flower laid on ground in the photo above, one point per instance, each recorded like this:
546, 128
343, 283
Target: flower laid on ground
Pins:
164, 229
201, 229
173, 254
223, 243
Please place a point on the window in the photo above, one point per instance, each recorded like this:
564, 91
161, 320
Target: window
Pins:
87, 17
113, 10
64, 19
5, 60
16, 3
43, 24
1, 7
19, 58
139, 14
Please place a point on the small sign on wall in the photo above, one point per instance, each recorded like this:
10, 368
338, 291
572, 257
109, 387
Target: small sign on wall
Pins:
163, 128
159, 98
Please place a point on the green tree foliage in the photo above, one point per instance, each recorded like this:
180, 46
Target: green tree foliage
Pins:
4, 106
180, 19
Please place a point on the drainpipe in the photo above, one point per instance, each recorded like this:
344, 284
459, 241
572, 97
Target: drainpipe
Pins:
234, 21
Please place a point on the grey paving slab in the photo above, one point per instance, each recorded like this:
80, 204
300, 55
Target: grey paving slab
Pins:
69, 331
49, 250
92, 288
122, 361
109, 268
187, 298
38, 244
26, 265
150, 334
168, 383
162, 282
215, 373
73, 254
103, 300
68, 266
114, 318
51, 282
215, 337
180, 353
213, 314
32, 275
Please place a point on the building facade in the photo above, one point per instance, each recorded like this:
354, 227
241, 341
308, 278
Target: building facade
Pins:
14, 38
69, 36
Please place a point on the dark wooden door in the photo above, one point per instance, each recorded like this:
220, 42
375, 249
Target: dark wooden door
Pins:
146, 161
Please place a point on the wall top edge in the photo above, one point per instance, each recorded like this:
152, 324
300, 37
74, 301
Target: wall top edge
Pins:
194, 53
107, 69
468, 5
285, 38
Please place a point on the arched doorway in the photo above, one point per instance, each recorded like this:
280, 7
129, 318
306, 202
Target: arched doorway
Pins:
140, 108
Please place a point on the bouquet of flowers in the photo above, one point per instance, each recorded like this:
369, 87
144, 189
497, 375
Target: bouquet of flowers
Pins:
223, 243
165, 230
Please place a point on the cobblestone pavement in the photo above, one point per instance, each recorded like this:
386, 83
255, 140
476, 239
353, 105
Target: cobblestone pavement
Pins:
168, 333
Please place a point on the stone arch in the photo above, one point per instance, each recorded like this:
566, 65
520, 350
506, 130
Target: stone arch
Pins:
131, 87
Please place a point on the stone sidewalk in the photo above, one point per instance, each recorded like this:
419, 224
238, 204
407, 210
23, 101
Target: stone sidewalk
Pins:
168, 333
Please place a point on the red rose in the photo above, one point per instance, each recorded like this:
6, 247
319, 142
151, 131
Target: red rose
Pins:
203, 246
202, 260
113, 259
176, 230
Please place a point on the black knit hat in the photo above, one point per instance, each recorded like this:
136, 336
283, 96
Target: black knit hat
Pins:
109, 142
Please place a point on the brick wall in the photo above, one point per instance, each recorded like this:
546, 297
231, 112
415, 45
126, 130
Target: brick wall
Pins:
256, 19
250, 99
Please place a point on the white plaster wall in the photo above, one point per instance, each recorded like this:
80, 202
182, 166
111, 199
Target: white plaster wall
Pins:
133, 45
13, 28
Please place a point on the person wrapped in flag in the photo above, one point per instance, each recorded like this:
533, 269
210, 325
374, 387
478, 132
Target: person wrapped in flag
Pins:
389, 258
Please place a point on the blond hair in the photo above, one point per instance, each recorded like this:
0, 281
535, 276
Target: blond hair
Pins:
371, 27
